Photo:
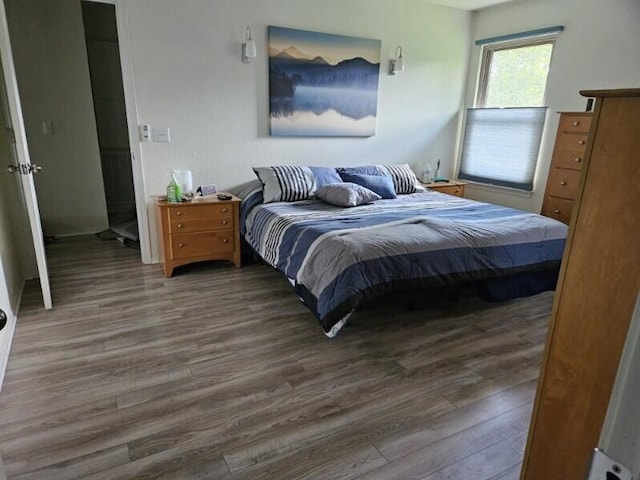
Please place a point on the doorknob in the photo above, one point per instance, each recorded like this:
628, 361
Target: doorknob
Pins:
3, 319
24, 168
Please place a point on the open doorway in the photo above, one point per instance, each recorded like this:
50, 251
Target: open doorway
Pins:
103, 53
71, 87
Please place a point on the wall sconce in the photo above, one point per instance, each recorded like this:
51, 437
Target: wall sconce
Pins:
248, 47
396, 64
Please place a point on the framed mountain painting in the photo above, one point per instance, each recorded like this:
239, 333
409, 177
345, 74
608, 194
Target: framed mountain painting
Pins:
322, 85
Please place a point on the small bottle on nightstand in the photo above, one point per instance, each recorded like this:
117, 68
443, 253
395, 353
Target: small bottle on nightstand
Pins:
426, 175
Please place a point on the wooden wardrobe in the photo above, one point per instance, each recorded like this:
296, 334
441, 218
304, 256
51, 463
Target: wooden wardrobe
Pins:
597, 290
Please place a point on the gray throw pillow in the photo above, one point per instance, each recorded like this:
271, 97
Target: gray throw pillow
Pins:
346, 194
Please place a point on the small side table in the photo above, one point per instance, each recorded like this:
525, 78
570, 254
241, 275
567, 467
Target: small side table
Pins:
191, 232
452, 187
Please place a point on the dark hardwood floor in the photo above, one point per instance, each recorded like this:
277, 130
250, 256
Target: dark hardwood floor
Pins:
221, 373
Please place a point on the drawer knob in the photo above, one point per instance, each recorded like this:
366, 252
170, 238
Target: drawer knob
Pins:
563, 183
577, 159
179, 212
556, 211
575, 124
225, 240
581, 142
180, 225
181, 245
224, 222
225, 210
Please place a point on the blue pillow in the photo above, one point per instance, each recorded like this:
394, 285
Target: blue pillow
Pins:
325, 176
366, 170
380, 184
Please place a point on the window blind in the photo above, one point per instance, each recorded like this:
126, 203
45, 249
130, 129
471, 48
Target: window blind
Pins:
501, 145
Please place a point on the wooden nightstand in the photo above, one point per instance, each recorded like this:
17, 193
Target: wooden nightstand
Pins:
451, 188
191, 232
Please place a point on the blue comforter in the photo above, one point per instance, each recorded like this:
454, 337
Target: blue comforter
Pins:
340, 257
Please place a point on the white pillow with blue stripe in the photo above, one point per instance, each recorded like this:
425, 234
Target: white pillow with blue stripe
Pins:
286, 183
404, 180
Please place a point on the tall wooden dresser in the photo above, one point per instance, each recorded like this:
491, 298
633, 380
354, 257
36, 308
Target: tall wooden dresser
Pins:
595, 298
566, 163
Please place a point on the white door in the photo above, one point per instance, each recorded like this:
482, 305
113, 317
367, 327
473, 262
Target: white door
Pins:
13, 109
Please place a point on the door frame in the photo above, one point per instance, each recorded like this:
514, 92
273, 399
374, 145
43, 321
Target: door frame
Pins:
126, 64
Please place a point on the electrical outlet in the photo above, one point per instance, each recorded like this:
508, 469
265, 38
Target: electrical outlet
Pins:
605, 468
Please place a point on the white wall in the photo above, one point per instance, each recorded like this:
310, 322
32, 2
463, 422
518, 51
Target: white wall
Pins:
53, 78
189, 77
599, 49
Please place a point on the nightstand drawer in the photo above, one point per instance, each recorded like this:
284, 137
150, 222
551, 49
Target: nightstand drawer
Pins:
575, 123
457, 190
563, 183
569, 159
186, 225
203, 210
201, 244
558, 208
575, 143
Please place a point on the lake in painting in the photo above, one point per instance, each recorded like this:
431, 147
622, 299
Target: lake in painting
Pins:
322, 84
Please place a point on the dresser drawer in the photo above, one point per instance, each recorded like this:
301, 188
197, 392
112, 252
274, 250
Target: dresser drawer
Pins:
568, 159
558, 208
185, 225
575, 123
201, 244
210, 210
563, 183
574, 142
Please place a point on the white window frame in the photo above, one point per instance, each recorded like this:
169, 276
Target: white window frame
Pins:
486, 55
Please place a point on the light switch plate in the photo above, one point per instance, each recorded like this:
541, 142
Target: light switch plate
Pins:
160, 134
145, 133
605, 468
47, 128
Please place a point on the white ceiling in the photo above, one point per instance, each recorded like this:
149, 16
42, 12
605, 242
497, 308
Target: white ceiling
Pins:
467, 4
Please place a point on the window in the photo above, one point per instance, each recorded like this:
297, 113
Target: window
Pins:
503, 132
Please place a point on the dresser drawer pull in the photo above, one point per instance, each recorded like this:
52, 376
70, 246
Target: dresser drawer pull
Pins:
225, 210
224, 222
563, 183
581, 142
181, 245
577, 159
180, 225
575, 124
179, 212
225, 240
556, 211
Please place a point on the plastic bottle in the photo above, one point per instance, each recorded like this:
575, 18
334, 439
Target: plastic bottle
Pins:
437, 175
174, 192
426, 175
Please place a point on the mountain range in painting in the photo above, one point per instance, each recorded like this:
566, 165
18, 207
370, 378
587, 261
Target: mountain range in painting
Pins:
290, 68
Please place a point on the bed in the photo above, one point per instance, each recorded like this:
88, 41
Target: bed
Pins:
337, 258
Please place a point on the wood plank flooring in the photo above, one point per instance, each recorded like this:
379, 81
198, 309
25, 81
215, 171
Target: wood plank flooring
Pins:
221, 373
